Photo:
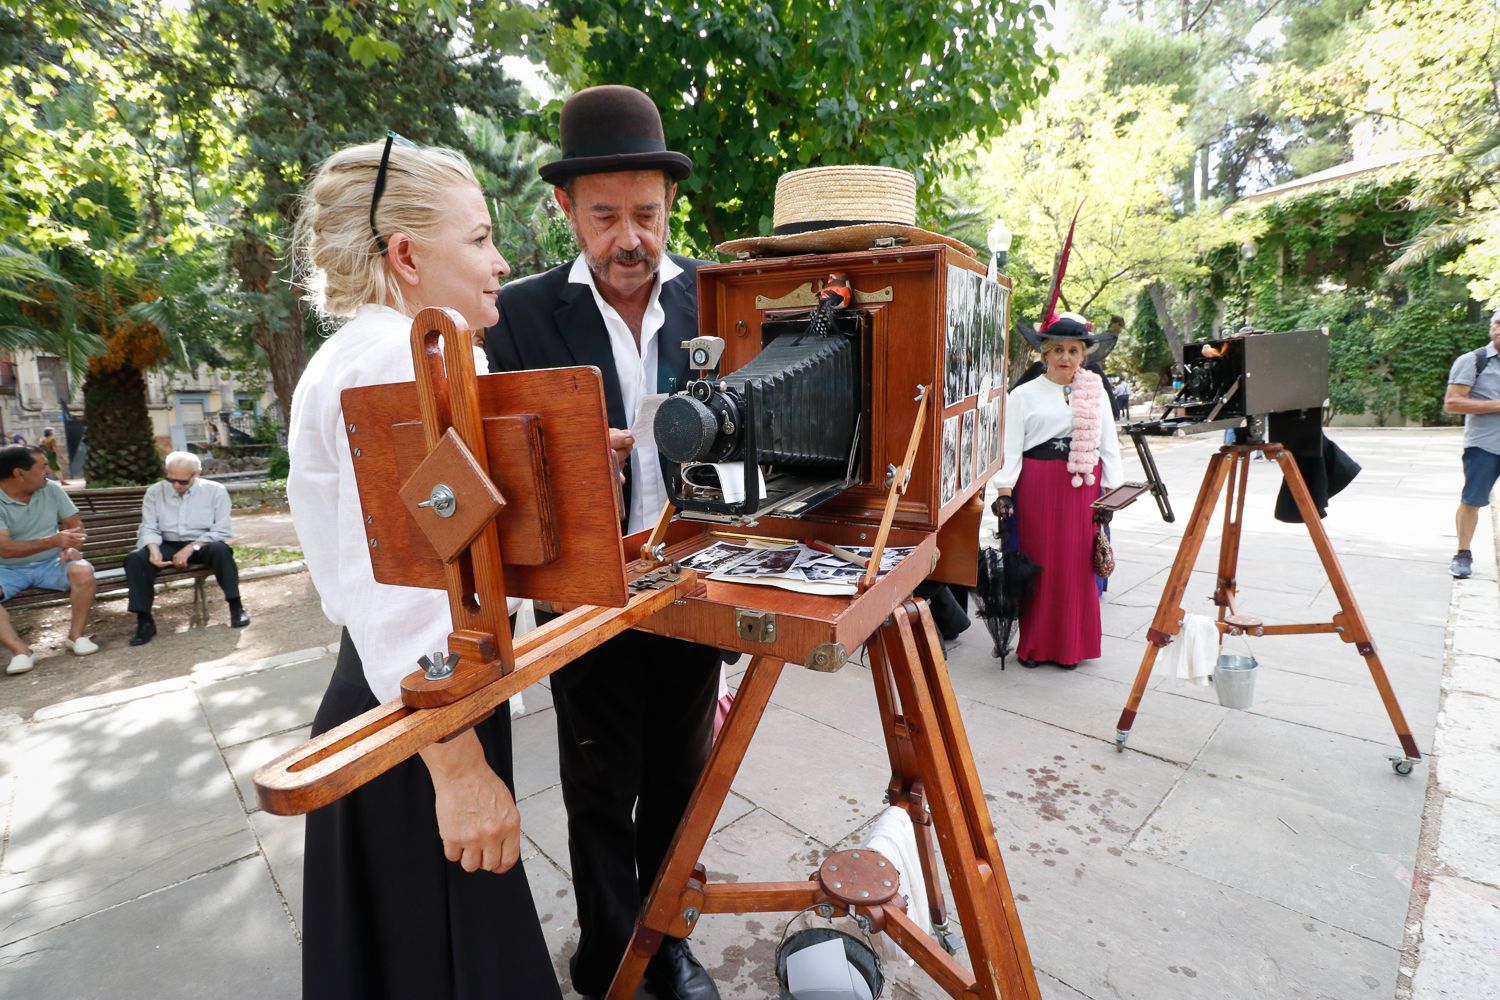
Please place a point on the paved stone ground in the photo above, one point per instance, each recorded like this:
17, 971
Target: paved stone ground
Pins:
1269, 853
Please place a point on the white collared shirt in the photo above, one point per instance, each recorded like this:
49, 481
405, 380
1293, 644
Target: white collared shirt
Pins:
201, 514
391, 626
635, 367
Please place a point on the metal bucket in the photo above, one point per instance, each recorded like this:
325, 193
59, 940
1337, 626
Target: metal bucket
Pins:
1234, 680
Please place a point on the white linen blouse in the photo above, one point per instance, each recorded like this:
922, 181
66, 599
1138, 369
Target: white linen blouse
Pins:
1038, 412
391, 626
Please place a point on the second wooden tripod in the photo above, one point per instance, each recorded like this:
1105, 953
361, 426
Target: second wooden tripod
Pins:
1227, 473
929, 752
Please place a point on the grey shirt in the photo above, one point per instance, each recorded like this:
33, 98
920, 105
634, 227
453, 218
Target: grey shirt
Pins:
39, 517
199, 515
1481, 430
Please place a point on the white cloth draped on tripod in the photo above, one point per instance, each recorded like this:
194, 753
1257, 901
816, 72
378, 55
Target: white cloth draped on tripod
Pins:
1192, 655
892, 836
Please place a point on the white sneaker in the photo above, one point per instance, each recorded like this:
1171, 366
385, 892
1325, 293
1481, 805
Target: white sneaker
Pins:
82, 646
20, 663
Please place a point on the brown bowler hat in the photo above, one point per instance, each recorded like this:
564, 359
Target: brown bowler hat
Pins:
611, 128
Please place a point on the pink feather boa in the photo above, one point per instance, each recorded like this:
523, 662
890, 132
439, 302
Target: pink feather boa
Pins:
1083, 456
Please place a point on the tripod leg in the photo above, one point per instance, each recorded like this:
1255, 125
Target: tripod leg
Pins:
1226, 587
1168, 619
1351, 620
909, 644
665, 912
907, 791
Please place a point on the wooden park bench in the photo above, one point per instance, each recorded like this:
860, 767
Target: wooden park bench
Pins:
111, 517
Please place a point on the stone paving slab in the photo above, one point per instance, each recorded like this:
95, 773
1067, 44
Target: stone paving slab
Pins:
1134, 926
268, 701
1458, 951
223, 934
1255, 813
1170, 727
113, 804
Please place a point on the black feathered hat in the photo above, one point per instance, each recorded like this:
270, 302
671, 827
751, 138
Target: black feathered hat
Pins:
608, 129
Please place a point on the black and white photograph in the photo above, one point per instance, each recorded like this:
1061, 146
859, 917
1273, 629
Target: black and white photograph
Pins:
767, 561
716, 555
950, 458
966, 453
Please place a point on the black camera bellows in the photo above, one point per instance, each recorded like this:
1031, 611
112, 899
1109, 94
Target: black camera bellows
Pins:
804, 398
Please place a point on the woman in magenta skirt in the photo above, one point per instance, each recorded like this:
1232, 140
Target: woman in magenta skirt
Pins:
1060, 452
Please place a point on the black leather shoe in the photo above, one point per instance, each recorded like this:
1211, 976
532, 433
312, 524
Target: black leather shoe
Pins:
239, 619
144, 633
674, 974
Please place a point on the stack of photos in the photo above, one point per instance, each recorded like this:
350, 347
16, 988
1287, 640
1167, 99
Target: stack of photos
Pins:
791, 566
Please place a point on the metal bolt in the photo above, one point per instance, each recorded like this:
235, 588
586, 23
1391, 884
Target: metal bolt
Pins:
864, 894
374, 543
369, 518
690, 914
833, 868
838, 885
854, 855
880, 864
351, 428
886, 883
357, 453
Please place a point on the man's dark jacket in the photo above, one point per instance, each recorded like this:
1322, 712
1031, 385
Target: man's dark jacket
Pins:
548, 322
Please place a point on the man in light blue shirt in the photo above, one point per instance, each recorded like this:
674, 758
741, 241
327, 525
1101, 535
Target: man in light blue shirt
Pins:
184, 519
40, 535
1474, 391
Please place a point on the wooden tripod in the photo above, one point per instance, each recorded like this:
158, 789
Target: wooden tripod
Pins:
1227, 473
929, 750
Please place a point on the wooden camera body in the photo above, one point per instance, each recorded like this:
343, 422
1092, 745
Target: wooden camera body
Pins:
928, 317
930, 397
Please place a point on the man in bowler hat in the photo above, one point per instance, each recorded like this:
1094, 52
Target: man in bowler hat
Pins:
634, 716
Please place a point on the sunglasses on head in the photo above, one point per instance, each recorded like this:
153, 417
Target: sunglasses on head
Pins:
385, 160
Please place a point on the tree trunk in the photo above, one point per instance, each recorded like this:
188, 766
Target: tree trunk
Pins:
1164, 317
286, 355
122, 449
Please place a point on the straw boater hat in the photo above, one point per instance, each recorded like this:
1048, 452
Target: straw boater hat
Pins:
608, 129
827, 209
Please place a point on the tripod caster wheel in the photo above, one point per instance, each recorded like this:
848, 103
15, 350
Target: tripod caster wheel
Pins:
1402, 767
1120, 737
951, 942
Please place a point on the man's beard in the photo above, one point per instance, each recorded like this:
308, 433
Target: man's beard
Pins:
599, 266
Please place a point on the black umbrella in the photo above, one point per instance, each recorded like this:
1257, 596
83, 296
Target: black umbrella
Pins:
1006, 579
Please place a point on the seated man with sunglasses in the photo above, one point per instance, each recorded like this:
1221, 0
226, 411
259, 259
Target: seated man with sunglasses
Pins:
184, 519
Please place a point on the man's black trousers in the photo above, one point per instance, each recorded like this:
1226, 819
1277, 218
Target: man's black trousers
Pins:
634, 723
140, 575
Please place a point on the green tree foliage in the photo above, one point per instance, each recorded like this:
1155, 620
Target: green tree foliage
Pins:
1426, 77
1323, 260
1114, 150
750, 89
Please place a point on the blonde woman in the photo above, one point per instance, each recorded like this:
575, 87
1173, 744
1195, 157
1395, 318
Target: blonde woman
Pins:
1060, 451
412, 882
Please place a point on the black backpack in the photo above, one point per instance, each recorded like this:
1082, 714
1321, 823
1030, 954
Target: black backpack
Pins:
1480, 360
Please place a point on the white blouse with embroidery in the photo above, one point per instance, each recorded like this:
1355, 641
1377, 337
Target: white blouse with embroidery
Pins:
1039, 411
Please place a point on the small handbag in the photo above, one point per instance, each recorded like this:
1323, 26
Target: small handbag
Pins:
1104, 554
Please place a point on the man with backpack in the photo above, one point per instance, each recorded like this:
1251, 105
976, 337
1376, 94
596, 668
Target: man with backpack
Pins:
1474, 391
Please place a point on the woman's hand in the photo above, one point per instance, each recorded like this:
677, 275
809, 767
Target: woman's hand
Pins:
476, 813
1103, 516
1003, 505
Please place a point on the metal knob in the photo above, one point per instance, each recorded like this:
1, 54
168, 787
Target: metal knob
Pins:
441, 500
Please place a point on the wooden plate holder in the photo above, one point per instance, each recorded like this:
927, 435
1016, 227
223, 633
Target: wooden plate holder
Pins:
503, 440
